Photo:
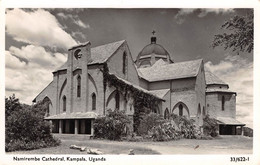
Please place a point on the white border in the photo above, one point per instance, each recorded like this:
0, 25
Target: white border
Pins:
160, 159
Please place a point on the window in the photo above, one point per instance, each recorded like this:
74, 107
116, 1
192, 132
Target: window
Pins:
77, 54
117, 97
180, 110
124, 62
64, 103
223, 103
78, 86
166, 114
93, 101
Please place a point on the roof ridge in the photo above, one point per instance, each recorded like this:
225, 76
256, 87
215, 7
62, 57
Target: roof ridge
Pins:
109, 44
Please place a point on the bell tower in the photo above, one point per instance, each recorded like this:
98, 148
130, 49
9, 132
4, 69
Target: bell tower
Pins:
78, 58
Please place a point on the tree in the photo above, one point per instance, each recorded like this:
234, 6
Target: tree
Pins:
240, 36
25, 127
12, 104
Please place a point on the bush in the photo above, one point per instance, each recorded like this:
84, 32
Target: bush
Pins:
149, 121
113, 126
210, 126
186, 127
164, 132
25, 127
160, 129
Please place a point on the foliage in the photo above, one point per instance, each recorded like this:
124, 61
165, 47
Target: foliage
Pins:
113, 126
164, 132
186, 127
240, 36
210, 126
149, 121
142, 100
160, 129
12, 104
25, 127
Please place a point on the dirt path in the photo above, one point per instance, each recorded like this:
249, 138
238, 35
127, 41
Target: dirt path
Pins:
222, 145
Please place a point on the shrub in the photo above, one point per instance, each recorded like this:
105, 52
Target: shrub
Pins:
26, 128
164, 132
210, 126
186, 127
113, 126
149, 121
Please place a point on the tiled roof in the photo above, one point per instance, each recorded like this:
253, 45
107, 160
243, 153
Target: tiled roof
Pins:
170, 71
229, 121
100, 54
160, 93
212, 79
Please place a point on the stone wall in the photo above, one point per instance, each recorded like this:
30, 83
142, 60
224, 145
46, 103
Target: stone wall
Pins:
214, 105
200, 88
115, 65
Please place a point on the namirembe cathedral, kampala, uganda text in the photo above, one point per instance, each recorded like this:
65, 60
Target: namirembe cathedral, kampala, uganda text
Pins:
80, 90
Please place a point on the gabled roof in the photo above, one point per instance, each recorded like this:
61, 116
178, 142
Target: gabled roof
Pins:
170, 71
100, 54
212, 79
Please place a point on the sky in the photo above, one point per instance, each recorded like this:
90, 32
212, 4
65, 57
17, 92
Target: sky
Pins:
37, 40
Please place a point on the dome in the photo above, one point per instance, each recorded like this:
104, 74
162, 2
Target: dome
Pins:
153, 48
152, 53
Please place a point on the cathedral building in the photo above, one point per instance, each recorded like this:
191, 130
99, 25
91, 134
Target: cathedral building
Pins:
79, 92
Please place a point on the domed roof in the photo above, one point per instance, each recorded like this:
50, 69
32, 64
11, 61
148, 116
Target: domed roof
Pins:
153, 48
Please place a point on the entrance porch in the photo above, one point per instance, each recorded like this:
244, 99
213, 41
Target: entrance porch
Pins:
73, 123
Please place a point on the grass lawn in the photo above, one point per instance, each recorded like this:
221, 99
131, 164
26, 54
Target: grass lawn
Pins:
221, 145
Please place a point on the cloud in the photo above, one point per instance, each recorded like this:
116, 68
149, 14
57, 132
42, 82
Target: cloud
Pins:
13, 62
238, 73
204, 12
37, 27
79, 34
26, 80
74, 18
180, 16
182, 13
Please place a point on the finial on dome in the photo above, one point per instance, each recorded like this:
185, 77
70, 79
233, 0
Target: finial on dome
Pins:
153, 38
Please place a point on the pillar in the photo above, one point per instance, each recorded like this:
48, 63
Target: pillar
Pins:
92, 128
60, 126
76, 126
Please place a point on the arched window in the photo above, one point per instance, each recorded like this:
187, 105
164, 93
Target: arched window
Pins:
204, 112
47, 102
78, 86
93, 101
180, 110
166, 114
223, 103
117, 97
64, 103
199, 111
124, 62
